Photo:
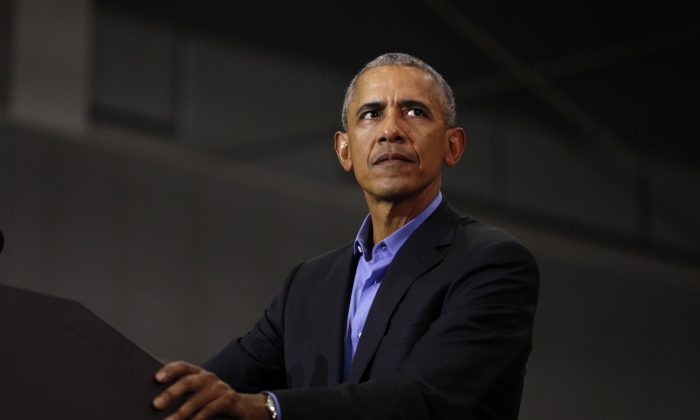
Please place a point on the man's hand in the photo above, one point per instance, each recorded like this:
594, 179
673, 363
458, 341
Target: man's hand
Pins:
206, 395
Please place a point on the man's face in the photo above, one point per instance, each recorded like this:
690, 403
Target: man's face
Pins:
397, 138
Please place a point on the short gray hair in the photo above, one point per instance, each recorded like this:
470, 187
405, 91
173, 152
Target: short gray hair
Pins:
444, 90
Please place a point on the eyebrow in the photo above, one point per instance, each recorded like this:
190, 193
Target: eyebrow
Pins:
369, 106
412, 103
404, 103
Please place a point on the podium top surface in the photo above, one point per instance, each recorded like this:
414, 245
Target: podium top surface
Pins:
63, 361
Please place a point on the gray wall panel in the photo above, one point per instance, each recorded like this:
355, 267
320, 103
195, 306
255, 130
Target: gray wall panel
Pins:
546, 175
133, 67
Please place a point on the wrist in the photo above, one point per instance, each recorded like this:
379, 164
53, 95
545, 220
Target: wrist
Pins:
256, 406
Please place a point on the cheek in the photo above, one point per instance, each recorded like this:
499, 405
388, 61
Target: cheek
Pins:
431, 152
362, 146
358, 155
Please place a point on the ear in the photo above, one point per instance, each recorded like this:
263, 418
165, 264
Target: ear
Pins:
342, 149
456, 142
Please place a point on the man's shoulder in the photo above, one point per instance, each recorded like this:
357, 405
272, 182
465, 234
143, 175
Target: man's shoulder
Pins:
467, 228
483, 243
481, 233
472, 235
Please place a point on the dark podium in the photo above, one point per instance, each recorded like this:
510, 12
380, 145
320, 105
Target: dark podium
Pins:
58, 360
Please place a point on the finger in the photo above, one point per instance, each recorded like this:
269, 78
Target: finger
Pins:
187, 383
200, 399
174, 370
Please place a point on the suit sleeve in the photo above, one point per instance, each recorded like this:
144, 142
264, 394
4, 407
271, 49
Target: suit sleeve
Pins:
255, 362
461, 366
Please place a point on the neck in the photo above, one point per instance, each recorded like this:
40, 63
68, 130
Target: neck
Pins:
389, 215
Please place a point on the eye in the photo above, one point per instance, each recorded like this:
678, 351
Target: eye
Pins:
416, 112
369, 115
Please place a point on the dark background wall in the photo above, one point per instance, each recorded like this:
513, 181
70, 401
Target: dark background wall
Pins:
167, 165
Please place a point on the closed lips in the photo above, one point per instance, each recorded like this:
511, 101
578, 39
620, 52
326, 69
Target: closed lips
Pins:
391, 157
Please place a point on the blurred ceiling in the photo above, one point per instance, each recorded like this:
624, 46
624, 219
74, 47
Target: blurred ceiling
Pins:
611, 76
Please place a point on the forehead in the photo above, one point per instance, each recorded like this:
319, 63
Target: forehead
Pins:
395, 82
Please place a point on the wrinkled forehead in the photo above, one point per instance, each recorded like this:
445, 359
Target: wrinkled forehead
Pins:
395, 82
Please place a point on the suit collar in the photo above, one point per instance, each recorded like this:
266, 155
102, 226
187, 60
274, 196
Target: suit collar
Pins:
419, 254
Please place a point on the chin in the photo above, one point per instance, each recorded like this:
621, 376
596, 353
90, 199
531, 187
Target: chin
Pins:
395, 193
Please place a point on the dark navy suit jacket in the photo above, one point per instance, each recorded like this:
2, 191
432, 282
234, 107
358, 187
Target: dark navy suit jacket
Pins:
447, 337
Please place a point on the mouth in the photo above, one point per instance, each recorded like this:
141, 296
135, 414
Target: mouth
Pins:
392, 158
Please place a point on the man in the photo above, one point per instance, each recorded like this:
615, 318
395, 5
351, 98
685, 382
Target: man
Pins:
426, 315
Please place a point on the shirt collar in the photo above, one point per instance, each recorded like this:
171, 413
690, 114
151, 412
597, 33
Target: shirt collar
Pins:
394, 241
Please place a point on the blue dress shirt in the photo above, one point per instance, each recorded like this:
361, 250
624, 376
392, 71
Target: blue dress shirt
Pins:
371, 268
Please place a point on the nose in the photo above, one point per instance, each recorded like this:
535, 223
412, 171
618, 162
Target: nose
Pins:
392, 128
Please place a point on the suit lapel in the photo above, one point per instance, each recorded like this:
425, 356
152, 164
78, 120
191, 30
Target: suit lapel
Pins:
335, 296
418, 255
